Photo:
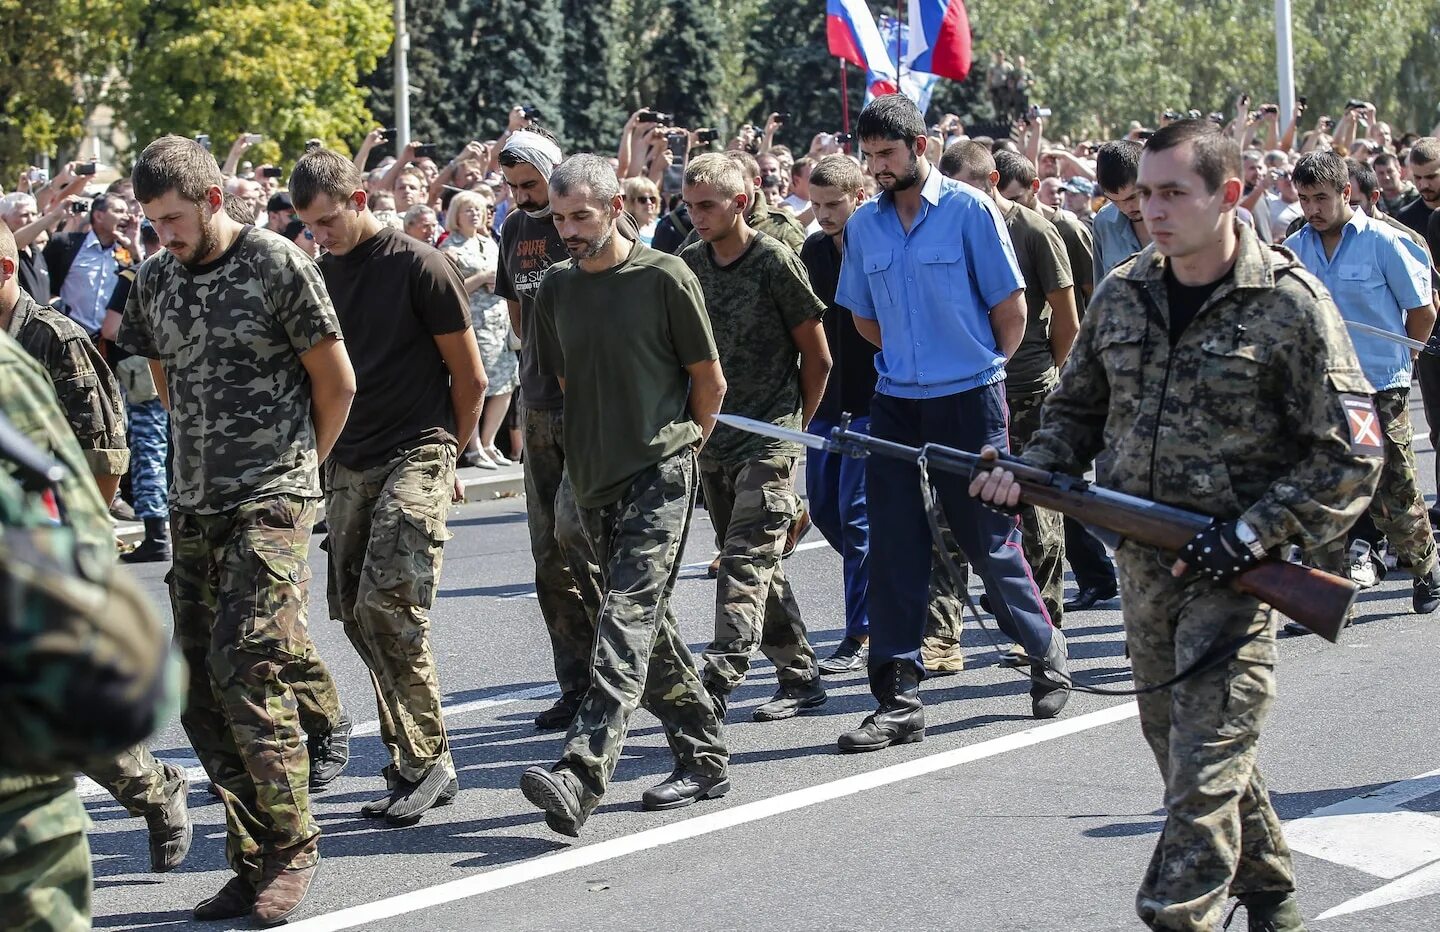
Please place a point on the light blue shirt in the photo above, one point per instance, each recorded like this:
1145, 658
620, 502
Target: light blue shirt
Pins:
1115, 241
90, 283
931, 289
1375, 276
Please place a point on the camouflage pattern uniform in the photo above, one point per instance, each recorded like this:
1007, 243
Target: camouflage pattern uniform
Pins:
639, 656
1241, 418
567, 581
386, 541
83, 639
749, 481
90, 398
243, 501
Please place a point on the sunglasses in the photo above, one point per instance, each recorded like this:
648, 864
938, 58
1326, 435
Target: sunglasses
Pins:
646, 199
309, 235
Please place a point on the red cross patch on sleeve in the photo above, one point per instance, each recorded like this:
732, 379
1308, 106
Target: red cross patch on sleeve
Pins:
1366, 438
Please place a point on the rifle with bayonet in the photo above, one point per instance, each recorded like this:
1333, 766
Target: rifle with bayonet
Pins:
1314, 599
1431, 348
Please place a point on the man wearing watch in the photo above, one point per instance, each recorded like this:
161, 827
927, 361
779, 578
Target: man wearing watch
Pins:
1215, 373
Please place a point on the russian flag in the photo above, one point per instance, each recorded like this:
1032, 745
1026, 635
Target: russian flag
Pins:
939, 38
853, 36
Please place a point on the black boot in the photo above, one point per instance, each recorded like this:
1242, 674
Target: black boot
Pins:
900, 718
1049, 697
156, 545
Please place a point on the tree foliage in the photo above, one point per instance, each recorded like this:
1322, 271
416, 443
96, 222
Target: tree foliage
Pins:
440, 45
290, 71
515, 61
591, 106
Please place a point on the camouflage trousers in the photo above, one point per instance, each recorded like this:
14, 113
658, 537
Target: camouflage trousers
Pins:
386, 541
567, 581
136, 780
1398, 508
639, 657
1221, 837
45, 883
238, 589
1042, 537
149, 444
752, 505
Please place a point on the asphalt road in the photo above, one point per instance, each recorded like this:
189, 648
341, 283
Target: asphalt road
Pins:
994, 822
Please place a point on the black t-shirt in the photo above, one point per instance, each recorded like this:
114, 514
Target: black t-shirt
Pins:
1185, 301
670, 233
1432, 236
1415, 215
852, 373
35, 275
393, 295
527, 250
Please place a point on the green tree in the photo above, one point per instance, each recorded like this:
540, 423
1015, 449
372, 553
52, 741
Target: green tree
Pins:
516, 62
59, 57
441, 51
592, 108
794, 72
686, 56
290, 71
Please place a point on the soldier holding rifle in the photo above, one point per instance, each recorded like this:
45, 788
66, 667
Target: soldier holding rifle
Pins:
1217, 374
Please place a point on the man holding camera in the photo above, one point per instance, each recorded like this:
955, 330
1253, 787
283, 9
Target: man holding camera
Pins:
84, 267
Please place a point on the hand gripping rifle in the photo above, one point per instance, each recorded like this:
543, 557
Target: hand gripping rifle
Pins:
1314, 599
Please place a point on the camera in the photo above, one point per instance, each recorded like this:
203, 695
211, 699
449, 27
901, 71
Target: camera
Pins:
706, 136
1171, 115
253, 138
782, 117
427, 151
1217, 118
84, 168
1302, 101
312, 144
204, 140
531, 113
388, 134
1145, 134
80, 207
1353, 104
654, 116
1270, 108
844, 139
37, 176
270, 171
1039, 113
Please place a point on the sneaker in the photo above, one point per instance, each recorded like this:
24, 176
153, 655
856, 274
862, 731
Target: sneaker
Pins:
792, 699
1014, 657
329, 752
407, 807
852, 654
557, 792
1360, 566
683, 788
941, 655
397, 788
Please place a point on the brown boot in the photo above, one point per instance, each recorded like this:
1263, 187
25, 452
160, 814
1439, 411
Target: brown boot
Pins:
281, 890
235, 899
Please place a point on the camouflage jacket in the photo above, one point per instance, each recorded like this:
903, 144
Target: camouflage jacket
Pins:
1244, 417
87, 389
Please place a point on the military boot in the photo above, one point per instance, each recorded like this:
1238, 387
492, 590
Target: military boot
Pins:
1051, 690
791, 699
235, 899
281, 889
559, 716
683, 788
329, 752
1427, 591
557, 793
1269, 912
156, 545
900, 718
169, 824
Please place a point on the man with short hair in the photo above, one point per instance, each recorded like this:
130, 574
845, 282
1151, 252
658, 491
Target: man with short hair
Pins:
1120, 225
18, 211
421, 224
1379, 278
85, 266
279, 211
931, 279
391, 476
1049, 192
410, 189
567, 581
1424, 162
1077, 194
1396, 191
1254, 356
624, 330
776, 222
243, 337
249, 198
766, 323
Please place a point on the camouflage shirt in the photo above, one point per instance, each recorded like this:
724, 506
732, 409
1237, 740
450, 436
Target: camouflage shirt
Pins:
230, 334
1244, 416
87, 389
754, 303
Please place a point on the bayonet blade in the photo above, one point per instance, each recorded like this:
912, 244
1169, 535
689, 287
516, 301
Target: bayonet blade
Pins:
773, 431
1392, 337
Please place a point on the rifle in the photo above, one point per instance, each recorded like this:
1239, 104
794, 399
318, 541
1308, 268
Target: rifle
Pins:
1311, 597
1431, 348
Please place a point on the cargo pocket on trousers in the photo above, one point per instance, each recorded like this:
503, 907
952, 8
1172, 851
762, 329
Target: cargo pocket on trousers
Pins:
277, 619
408, 570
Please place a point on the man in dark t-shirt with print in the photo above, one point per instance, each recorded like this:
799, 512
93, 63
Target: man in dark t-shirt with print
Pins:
391, 477
566, 577
624, 330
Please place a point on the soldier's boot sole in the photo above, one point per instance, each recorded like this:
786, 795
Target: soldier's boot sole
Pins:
549, 792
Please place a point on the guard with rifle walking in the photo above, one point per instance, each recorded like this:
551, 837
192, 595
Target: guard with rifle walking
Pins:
1217, 374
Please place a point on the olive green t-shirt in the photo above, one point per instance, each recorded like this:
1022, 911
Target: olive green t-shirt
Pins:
754, 303
620, 340
1043, 262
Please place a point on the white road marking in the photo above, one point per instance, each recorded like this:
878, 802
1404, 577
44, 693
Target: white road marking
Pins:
89, 789
585, 855
1374, 833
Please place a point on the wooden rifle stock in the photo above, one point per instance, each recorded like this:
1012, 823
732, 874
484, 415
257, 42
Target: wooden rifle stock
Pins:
1315, 599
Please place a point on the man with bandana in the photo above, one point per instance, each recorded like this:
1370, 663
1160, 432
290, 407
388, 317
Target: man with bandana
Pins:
566, 577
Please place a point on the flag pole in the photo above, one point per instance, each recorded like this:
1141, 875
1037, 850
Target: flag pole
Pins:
845, 97
899, 48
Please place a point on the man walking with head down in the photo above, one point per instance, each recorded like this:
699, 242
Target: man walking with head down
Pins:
624, 330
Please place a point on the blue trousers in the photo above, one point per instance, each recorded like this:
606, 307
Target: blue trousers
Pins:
149, 448
835, 486
900, 572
